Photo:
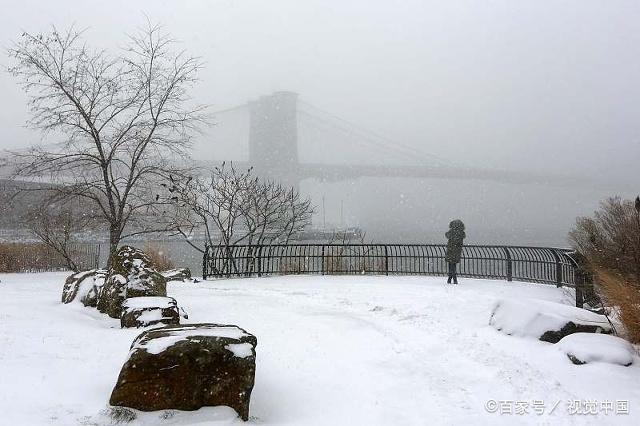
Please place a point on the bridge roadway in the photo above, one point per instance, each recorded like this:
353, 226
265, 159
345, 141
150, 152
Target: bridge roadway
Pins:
340, 172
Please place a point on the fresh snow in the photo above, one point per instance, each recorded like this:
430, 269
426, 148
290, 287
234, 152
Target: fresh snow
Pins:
86, 285
241, 350
149, 302
531, 318
357, 350
159, 344
590, 347
146, 317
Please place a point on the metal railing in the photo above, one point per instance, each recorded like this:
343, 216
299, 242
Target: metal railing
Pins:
533, 264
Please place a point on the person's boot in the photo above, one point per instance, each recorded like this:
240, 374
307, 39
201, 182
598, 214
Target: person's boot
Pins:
455, 280
449, 280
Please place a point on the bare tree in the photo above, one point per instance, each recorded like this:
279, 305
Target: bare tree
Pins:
235, 207
58, 227
611, 238
123, 120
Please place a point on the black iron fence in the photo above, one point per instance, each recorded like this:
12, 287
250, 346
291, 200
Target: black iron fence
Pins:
532, 264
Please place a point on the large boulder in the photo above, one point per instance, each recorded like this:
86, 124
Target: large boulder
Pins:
188, 367
178, 274
546, 321
138, 269
132, 274
145, 311
583, 348
83, 286
112, 294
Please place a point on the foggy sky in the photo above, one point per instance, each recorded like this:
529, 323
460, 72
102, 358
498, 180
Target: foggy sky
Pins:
545, 86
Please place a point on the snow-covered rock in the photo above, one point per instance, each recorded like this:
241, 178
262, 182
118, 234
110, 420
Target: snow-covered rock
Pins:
179, 274
188, 367
145, 311
137, 268
131, 275
583, 348
83, 286
547, 321
112, 294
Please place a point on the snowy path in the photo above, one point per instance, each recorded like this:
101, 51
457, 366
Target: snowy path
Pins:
331, 351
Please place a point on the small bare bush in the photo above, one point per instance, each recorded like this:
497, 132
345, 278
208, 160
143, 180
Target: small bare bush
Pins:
611, 238
609, 245
58, 227
159, 256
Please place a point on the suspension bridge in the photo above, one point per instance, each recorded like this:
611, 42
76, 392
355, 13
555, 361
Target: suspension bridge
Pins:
280, 123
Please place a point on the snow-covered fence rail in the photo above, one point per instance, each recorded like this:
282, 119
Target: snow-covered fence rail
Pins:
533, 264
38, 257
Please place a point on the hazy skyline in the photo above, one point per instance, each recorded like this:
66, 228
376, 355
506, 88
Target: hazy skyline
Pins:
530, 85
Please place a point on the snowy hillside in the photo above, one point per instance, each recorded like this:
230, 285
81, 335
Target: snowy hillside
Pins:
331, 351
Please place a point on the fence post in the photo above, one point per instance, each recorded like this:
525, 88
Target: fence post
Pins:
260, 260
579, 288
509, 264
204, 261
558, 269
97, 260
322, 261
386, 260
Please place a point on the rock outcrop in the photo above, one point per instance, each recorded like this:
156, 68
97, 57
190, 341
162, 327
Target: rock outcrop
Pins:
83, 286
145, 311
546, 321
188, 367
131, 275
179, 274
584, 348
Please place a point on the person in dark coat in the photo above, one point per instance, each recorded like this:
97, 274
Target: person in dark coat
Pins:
455, 236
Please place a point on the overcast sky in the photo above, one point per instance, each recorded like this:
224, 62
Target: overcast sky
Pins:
534, 85
539, 84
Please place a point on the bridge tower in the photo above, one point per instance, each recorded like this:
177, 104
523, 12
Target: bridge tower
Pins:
273, 137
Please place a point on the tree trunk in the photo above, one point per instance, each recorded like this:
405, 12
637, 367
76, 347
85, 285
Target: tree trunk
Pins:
114, 240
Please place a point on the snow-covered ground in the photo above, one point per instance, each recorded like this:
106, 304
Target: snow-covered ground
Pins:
331, 351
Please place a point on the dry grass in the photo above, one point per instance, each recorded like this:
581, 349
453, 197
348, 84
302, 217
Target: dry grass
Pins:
159, 256
336, 265
29, 257
293, 266
621, 292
